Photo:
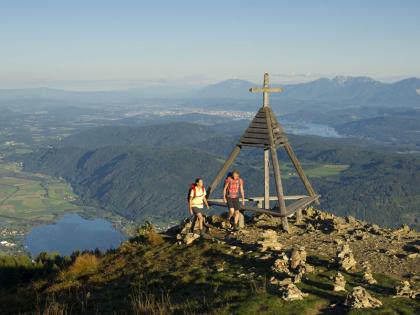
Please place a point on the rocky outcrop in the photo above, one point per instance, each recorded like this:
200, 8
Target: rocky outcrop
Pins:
360, 298
269, 241
345, 259
367, 274
339, 283
403, 289
291, 292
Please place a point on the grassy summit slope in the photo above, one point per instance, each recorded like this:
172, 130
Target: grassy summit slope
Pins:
225, 273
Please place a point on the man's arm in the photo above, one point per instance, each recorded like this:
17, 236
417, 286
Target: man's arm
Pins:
224, 192
242, 193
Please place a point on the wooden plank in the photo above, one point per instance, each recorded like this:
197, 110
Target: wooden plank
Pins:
258, 125
301, 204
246, 208
251, 199
259, 120
252, 135
254, 141
259, 115
257, 130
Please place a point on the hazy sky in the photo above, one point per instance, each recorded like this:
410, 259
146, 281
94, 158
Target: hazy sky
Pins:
129, 42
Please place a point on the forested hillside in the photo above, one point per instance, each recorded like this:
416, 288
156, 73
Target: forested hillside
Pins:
140, 182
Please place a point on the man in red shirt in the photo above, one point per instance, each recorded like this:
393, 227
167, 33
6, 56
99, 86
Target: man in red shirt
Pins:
233, 186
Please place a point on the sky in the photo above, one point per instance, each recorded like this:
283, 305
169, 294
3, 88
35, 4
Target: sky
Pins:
117, 44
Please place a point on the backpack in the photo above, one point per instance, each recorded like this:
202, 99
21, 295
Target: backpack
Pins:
193, 188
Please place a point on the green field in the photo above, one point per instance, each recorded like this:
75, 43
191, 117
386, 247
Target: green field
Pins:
31, 197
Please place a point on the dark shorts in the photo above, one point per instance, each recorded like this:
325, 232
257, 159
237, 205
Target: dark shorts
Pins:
197, 210
233, 203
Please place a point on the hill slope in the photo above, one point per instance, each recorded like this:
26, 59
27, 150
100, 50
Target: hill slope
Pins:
227, 272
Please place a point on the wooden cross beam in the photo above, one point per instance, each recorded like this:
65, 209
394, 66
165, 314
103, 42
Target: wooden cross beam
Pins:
265, 90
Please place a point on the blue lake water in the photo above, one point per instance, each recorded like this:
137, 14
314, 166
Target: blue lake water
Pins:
71, 233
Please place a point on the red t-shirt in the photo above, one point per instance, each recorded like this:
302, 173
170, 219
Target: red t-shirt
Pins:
233, 187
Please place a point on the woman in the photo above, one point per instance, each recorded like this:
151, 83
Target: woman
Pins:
233, 185
197, 201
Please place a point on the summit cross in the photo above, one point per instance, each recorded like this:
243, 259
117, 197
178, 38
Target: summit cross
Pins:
265, 90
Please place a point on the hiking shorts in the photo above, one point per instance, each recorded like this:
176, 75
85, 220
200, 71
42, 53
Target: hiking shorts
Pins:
233, 203
197, 210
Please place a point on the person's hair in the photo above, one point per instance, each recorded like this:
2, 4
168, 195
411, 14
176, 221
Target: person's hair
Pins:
235, 172
197, 180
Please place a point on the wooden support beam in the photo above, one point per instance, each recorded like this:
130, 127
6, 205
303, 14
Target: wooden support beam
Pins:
266, 179
233, 155
277, 177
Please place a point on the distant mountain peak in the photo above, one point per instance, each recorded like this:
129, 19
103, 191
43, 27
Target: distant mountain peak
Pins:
345, 80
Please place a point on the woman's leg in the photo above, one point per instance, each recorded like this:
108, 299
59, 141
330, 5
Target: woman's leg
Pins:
231, 214
200, 220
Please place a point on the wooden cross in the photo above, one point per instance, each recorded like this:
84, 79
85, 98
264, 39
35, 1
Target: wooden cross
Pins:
266, 103
265, 90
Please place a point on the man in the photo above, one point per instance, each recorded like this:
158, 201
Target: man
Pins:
197, 199
233, 186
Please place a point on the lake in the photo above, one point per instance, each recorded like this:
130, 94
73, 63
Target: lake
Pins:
71, 233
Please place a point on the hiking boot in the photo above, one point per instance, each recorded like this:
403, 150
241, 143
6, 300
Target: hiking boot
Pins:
236, 228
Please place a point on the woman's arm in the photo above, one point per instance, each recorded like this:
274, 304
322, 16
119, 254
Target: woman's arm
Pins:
190, 205
242, 193
205, 201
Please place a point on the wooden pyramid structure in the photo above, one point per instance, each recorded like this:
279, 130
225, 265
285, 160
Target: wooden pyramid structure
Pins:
265, 132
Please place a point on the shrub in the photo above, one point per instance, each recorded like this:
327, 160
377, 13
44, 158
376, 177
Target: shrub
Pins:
84, 264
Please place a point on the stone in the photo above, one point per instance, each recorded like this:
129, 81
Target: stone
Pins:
345, 258
216, 220
359, 298
269, 240
339, 283
241, 221
368, 278
403, 289
310, 227
309, 212
367, 274
291, 292
281, 266
298, 257
350, 219
189, 238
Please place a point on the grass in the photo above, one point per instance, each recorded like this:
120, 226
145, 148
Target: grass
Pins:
145, 277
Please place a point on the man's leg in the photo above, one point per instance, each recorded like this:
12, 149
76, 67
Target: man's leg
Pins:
236, 217
231, 213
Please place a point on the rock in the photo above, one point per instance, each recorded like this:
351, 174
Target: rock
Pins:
350, 219
226, 225
368, 278
216, 220
367, 274
359, 298
375, 229
403, 289
298, 257
269, 240
310, 228
309, 212
190, 237
241, 221
413, 255
339, 283
291, 292
345, 258
281, 265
